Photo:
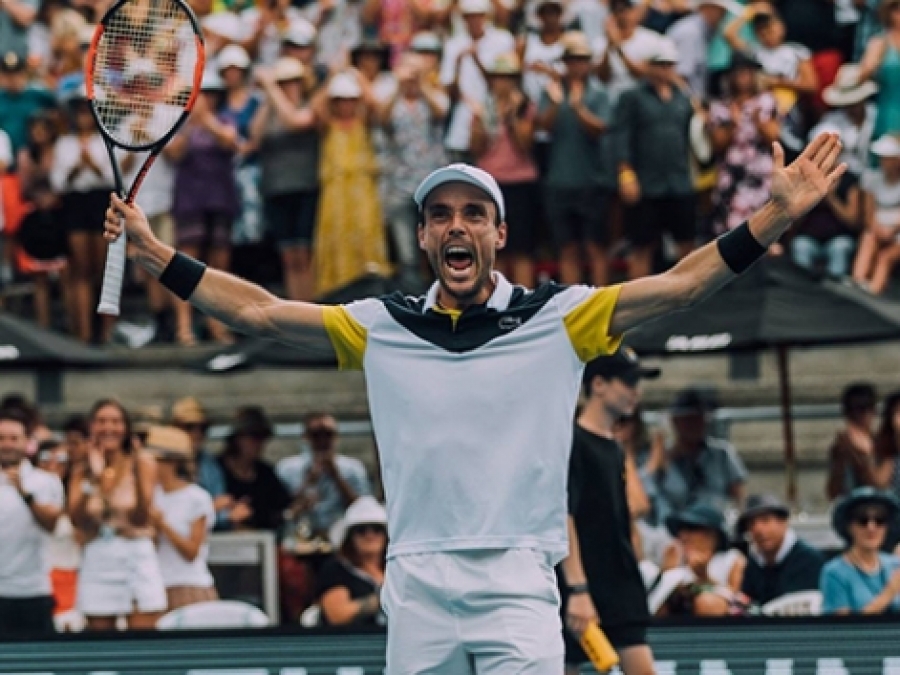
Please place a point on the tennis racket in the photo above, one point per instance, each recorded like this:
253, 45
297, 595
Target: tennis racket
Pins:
142, 76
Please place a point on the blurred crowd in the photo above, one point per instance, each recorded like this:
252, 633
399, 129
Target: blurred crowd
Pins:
105, 522
622, 132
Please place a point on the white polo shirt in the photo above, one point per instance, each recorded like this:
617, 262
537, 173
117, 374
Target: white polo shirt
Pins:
24, 563
181, 509
473, 413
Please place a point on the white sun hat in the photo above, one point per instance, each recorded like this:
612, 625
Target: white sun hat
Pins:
461, 173
847, 89
344, 85
233, 56
886, 146
366, 510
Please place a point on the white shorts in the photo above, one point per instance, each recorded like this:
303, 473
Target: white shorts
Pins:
473, 612
120, 575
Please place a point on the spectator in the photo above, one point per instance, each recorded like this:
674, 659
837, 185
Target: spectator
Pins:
692, 36
323, 483
887, 444
183, 516
190, 416
393, 22
428, 47
31, 501
372, 61
654, 175
267, 25
249, 479
339, 24
879, 248
701, 575
206, 195
83, 176
20, 98
413, 120
349, 586
852, 116
576, 113
63, 550
778, 563
863, 580
76, 434
462, 70
698, 468
787, 69
625, 49
743, 127
881, 62
110, 501
284, 129
541, 51
502, 135
350, 237
300, 43
851, 458
868, 26
16, 17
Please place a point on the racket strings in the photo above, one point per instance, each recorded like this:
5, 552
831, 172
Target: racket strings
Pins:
144, 70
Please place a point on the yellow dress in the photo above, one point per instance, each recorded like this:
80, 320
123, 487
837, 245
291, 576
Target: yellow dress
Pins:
350, 238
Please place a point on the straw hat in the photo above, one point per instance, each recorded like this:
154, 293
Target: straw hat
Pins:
886, 146
188, 411
506, 64
847, 89
576, 44
288, 68
169, 442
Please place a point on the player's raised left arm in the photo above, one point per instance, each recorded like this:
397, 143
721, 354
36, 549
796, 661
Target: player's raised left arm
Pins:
796, 189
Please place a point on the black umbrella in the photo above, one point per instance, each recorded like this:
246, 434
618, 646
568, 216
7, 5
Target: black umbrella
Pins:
312, 349
774, 305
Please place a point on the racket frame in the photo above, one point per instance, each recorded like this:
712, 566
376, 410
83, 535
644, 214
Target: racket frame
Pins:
115, 261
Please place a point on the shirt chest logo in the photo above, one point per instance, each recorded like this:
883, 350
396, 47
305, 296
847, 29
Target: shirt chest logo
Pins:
509, 322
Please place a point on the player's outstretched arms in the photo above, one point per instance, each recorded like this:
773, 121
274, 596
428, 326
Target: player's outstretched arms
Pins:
796, 189
243, 306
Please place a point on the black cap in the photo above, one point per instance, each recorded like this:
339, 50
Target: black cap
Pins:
758, 505
693, 401
620, 4
251, 420
623, 365
741, 60
699, 516
12, 62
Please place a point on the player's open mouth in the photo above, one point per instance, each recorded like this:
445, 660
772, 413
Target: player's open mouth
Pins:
458, 258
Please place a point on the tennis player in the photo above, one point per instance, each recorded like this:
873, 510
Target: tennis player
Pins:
472, 389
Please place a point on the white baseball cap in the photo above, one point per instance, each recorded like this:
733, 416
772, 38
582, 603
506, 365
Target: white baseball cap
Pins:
344, 85
233, 56
474, 6
666, 52
886, 146
461, 173
226, 24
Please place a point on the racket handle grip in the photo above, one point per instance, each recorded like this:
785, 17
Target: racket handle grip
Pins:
598, 648
113, 276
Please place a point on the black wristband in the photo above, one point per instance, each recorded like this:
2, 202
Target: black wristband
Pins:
28, 498
739, 249
578, 589
182, 275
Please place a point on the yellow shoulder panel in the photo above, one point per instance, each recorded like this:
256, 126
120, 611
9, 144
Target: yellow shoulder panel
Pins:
347, 335
588, 324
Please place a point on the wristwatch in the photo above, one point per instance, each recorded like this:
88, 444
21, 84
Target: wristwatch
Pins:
28, 498
578, 589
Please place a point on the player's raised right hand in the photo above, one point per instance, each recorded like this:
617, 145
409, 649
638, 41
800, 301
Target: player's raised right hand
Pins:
131, 216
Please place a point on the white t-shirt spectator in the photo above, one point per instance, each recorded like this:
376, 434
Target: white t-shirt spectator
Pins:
640, 47
180, 510
270, 40
783, 60
67, 154
24, 559
157, 192
340, 32
472, 84
887, 199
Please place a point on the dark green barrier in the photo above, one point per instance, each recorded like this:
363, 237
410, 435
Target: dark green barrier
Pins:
850, 646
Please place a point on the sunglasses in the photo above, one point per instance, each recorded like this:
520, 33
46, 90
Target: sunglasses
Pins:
193, 426
865, 520
321, 433
369, 528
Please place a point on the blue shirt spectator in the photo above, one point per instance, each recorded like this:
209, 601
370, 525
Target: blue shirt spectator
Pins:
322, 482
846, 587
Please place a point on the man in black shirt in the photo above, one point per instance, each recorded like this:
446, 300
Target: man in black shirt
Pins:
600, 579
778, 562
